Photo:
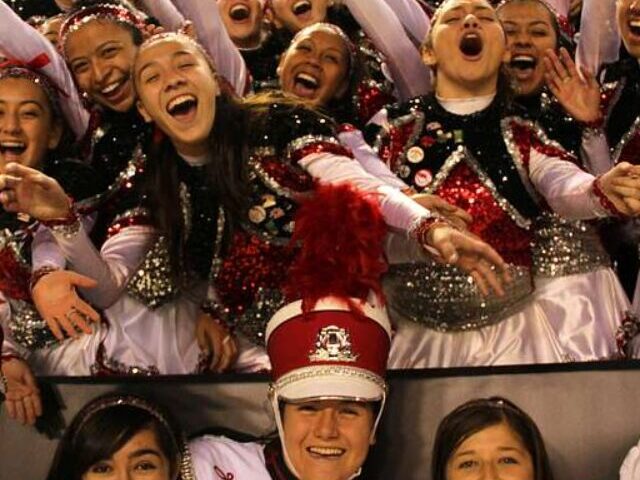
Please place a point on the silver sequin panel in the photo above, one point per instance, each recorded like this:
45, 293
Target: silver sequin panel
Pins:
564, 247
28, 328
446, 299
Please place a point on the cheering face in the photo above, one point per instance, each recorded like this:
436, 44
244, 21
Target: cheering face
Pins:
100, 55
316, 67
327, 439
177, 90
467, 47
50, 29
628, 15
27, 128
530, 32
294, 15
495, 452
243, 21
141, 458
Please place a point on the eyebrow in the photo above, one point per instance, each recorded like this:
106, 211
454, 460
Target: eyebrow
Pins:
501, 449
475, 9
144, 451
26, 102
99, 47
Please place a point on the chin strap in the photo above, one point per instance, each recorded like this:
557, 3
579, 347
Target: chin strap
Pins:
275, 404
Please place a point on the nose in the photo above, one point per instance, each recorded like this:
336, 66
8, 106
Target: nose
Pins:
471, 21
10, 123
173, 80
490, 472
521, 38
327, 424
99, 71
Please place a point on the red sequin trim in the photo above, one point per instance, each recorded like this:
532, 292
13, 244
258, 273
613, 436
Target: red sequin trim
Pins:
371, 99
132, 221
14, 276
491, 223
297, 180
320, 147
604, 201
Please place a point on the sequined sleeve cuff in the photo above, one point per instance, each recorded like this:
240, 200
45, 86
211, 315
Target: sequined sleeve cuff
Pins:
421, 230
604, 201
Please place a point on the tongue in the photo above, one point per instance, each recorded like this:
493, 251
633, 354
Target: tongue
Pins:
300, 89
12, 154
471, 46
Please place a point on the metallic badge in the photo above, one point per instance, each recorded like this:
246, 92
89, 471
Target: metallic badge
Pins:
257, 214
458, 136
404, 171
268, 200
423, 178
433, 126
276, 213
333, 344
415, 154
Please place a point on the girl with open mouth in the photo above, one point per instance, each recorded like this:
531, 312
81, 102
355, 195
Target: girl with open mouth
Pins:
533, 34
461, 144
32, 125
260, 157
146, 300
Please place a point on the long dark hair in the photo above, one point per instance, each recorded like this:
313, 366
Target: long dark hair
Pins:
226, 175
104, 426
476, 415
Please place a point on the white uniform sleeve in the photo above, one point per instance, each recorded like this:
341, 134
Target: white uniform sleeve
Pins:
599, 39
214, 458
594, 152
113, 266
165, 12
399, 211
213, 35
367, 157
409, 73
415, 20
566, 188
21, 41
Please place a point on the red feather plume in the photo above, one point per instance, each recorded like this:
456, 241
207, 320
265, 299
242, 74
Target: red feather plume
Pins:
340, 234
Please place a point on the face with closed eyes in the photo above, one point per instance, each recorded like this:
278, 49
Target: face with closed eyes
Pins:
496, 452
141, 458
327, 439
315, 67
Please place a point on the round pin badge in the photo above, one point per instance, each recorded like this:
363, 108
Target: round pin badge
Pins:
423, 178
404, 171
415, 154
257, 214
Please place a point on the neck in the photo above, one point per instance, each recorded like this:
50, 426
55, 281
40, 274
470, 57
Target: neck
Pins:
449, 90
192, 150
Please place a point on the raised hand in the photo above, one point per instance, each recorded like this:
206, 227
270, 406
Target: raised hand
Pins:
58, 303
578, 95
457, 216
26, 190
215, 339
472, 255
22, 396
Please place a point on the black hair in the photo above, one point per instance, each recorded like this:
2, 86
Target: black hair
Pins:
477, 415
96, 434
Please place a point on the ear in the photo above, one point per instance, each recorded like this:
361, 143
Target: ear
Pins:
55, 134
270, 17
280, 63
428, 56
143, 112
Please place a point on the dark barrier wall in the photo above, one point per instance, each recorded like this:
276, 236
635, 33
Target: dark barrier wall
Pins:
588, 414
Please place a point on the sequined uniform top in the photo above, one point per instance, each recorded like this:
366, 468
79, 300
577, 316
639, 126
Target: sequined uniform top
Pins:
478, 162
561, 247
248, 277
16, 234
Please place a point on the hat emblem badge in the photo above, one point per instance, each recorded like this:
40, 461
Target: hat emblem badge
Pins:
333, 344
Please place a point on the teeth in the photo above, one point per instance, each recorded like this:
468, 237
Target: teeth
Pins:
180, 100
523, 58
301, 5
326, 451
110, 88
305, 77
12, 145
634, 23
238, 10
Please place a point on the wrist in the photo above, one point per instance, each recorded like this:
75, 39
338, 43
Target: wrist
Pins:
424, 229
604, 200
37, 275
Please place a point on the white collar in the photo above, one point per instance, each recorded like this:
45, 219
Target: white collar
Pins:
466, 106
196, 161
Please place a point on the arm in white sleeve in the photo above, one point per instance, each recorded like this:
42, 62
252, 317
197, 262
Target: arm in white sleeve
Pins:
567, 189
45, 251
113, 266
165, 12
367, 157
213, 35
415, 20
22, 42
9, 346
594, 152
410, 75
399, 211
599, 38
